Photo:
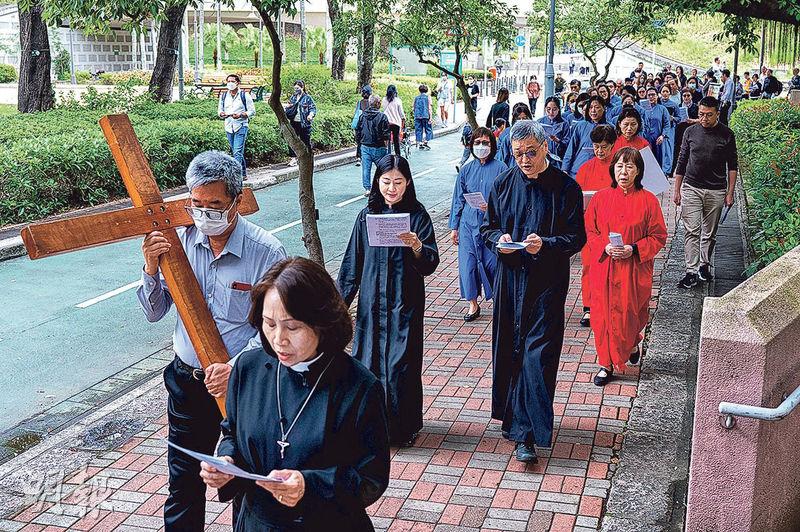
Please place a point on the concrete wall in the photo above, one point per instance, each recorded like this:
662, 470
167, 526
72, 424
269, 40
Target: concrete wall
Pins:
747, 478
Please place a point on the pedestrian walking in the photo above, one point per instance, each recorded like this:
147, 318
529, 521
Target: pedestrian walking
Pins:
705, 179
236, 107
373, 134
423, 113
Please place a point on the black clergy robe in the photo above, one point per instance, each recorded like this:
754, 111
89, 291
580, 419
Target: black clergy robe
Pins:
389, 321
530, 292
339, 444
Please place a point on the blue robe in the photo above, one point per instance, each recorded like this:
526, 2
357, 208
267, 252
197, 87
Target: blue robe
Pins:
616, 100
476, 264
529, 295
656, 122
504, 153
579, 148
389, 321
559, 128
669, 135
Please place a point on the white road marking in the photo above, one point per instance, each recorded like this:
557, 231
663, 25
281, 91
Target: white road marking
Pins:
283, 227
107, 295
112, 293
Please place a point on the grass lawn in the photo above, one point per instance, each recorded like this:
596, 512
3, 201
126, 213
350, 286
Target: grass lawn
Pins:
7, 109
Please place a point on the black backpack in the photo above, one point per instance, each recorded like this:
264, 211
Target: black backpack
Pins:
778, 87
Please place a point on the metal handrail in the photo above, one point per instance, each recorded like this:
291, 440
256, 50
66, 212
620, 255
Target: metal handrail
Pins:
729, 410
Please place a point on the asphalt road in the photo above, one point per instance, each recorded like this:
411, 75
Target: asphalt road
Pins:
70, 321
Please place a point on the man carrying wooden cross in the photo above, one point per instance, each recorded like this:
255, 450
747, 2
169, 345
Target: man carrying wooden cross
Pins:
228, 255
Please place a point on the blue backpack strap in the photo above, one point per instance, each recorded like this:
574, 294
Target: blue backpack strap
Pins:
244, 102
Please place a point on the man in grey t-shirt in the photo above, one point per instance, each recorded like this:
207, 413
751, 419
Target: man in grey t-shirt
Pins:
705, 178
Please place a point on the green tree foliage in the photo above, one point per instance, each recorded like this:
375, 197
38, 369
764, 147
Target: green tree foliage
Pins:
428, 27
317, 40
597, 25
248, 37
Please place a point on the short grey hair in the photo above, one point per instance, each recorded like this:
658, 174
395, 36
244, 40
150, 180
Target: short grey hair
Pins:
525, 129
212, 166
374, 102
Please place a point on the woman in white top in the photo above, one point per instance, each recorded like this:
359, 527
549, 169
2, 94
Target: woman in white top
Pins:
443, 93
393, 109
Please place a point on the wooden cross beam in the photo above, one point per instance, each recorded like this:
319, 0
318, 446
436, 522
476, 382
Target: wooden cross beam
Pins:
149, 213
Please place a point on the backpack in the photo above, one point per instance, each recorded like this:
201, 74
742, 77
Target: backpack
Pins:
778, 87
241, 94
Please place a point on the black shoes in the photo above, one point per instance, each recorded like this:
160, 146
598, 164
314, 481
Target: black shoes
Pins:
705, 273
586, 319
636, 356
474, 316
525, 453
689, 281
408, 442
603, 376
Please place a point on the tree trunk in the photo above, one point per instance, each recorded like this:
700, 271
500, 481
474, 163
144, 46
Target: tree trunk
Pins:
608, 65
462, 88
305, 158
169, 38
367, 59
35, 92
339, 41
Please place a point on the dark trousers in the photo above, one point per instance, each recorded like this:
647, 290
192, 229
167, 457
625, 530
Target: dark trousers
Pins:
194, 420
305, 135
395, 129
532, 105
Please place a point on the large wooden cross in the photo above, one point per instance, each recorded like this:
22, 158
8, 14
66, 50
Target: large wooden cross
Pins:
149, 213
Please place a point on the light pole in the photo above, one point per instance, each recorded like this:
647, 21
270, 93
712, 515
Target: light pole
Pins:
549, 71
218, 66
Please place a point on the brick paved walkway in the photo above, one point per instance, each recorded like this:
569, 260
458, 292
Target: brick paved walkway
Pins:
459, 476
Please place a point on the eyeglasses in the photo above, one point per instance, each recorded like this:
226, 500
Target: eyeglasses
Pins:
211, 214
482, 143
530, 154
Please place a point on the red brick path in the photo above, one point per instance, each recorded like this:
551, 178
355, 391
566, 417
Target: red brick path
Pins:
459, 476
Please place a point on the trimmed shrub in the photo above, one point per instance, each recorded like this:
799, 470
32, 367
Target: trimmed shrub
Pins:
58, 160
8, 74
768, 140
135, 77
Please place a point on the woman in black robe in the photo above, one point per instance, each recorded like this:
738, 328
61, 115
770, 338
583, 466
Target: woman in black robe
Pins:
391, 303
302, 410
540, 207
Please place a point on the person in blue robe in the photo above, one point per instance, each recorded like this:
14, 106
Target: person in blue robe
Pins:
541, 207
476, 264
521, 111
656, 122
557, 130
390, 282
669, 133
579, 149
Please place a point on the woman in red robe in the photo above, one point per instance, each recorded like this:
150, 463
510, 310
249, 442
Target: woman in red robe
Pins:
629, 130
621, 276
592, 176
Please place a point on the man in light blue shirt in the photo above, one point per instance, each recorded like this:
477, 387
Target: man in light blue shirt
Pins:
228, 255
727, 97
236, 107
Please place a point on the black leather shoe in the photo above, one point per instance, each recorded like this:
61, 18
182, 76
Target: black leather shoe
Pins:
505, 434
474, 316
586, 320
603, 376
410, 441
525, 453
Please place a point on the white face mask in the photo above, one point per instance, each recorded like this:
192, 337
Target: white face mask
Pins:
481, 151
212, 227
231, 85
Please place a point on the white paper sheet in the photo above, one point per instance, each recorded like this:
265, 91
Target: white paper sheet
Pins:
512, 245
382, 229
223, 466
654, 179
474, 199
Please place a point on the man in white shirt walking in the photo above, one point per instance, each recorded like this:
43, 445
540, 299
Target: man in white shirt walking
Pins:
236, 107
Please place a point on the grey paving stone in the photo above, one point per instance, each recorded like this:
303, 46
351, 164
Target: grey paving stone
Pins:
504, 513
425, 506
439, 479
471, 501
129, 496
46, 518
504, 524
6, 525
145, 521
558, 497
557, 507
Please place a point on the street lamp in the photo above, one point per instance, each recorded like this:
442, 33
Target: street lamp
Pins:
549, 71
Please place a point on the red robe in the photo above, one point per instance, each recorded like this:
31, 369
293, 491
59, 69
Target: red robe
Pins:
637, 143
621, 289
592, 176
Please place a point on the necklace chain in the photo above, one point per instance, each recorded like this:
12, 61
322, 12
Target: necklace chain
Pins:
285, 433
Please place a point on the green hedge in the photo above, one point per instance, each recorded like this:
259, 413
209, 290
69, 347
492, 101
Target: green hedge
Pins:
768, 139
58, 160
8, 74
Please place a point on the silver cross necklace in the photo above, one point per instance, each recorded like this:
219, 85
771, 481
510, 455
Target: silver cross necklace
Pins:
283, 443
